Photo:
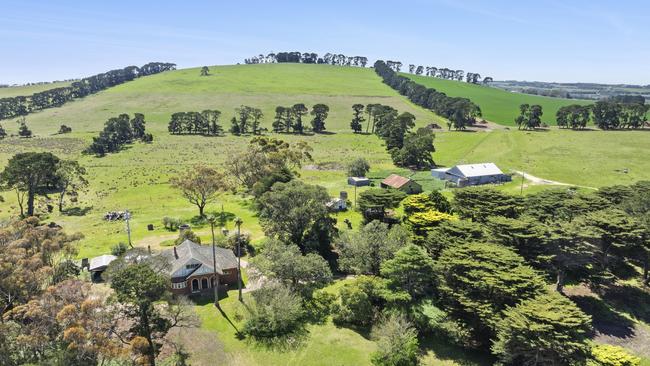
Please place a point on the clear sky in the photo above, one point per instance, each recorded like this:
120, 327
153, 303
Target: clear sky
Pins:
549, 40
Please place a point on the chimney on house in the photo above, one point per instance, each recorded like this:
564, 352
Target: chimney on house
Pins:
175, 253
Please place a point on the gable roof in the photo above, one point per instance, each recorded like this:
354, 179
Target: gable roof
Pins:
475, 170
395, 181
190, 252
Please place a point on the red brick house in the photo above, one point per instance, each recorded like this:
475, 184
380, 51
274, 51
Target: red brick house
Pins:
192, 269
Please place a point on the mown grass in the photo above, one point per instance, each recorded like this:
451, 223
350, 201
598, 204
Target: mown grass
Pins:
497, 105
323, 344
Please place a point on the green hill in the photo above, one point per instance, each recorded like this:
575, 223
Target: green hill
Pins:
227, 87
14, 91
497, 105
137, 178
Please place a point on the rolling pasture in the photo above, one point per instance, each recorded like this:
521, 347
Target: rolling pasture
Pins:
497, 105
137, 178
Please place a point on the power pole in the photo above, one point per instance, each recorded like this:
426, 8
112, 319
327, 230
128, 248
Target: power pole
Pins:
127, 217
521, 190
215, 285
238, 222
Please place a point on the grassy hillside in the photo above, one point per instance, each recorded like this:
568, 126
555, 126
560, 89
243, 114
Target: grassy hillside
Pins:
137, 178
15, 91
226, 88
497, 105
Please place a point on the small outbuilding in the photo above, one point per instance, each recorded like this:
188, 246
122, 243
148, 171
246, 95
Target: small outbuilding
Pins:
358, 181
406, 185
98, 265
471, 174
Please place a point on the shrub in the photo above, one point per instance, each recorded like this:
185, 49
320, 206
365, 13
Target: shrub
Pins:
432, 320
608, 355
319, 306
397, 342
358, 167
119, 249
187, 235
171, 223
275, 312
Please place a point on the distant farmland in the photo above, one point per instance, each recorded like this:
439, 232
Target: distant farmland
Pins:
497, 105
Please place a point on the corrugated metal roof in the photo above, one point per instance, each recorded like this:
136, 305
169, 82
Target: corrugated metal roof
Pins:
478, 170
101, 262
395, 181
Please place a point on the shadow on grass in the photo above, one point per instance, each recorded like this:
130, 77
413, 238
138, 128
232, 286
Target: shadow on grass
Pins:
604, 319
629, 299
77, 211
222, 219
461, 356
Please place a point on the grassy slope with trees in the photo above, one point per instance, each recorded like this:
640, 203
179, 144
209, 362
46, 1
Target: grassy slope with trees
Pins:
497, 105
137, 177
24, 90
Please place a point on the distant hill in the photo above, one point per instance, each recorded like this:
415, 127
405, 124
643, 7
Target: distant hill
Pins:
497, 105
227, 87
24, 90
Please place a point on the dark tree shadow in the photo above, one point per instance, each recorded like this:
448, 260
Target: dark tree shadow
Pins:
604, 320
462, 356
629, 299
77, 211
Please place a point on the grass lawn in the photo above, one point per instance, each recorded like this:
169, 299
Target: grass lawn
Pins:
324, 344
497, 105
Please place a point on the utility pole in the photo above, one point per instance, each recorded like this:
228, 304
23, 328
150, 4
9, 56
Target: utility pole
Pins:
215, 285
521, 190
127, 217
238, 222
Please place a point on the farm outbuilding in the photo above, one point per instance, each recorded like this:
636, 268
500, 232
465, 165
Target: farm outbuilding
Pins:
471, 174
406, 185
358, 181
98, 265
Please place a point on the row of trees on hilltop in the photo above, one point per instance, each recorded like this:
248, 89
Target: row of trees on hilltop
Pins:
308, 58
22, 105
461, 112
449, 74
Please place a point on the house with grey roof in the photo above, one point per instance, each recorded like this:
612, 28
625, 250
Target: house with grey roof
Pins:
471, 174
192, 270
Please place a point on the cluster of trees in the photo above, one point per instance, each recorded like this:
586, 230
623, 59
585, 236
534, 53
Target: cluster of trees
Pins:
475, 270
308, 58
119, 131
406, 148
35, 174
198, 123
289, 119
530, 116
49, 316
605, 114
460, 112
247, 119
449, 74
22, 105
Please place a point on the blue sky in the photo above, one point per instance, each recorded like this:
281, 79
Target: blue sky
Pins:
597, 41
